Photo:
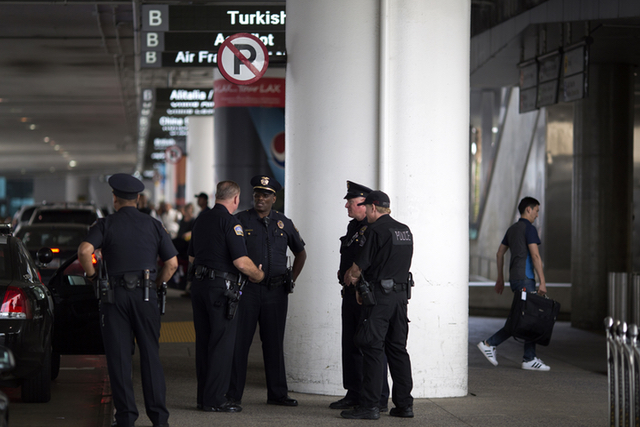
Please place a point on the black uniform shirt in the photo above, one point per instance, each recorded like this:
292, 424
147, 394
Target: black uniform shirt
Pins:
217, 239
387, 252
281, 234
351, 243
131, 241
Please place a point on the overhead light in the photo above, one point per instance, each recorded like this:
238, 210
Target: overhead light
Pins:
46, 139
56, 147
24, 119
32, 127
72, 163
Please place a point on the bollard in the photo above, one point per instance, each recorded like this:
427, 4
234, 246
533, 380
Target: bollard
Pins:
608, 328
632, 336
622, 375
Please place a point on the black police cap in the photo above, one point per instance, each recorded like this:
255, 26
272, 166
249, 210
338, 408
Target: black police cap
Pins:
205, 195
356, 190
125, 186
377, 198
265, 183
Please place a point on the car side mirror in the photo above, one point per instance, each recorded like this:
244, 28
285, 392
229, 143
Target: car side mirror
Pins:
45, 256
7, 361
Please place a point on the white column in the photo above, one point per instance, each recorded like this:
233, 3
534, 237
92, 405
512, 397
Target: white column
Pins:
76, 189
377, 92
200, 177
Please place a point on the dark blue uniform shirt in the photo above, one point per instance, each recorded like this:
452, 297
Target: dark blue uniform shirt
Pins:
131, 241
271, 252
217, 239
351, 243
387, 252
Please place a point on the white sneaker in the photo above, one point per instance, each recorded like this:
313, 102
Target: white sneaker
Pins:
489, 352
535, 365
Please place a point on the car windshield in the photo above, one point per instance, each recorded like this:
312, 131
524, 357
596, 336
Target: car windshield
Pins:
73, 216
50, 238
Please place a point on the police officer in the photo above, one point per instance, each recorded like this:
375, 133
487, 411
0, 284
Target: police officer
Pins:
131, 242
384, 263
350, 246
268, 234
218, 255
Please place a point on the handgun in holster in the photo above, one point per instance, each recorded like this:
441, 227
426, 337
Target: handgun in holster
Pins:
233, 294
288, 282
104, 290
410, 284
162, 297
365, 290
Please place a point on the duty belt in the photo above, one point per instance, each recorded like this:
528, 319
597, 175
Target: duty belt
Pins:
119, 281
274, 282
399, 287
209, 273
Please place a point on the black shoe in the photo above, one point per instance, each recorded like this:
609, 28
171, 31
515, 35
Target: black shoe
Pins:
344, 403
225, 407
285, 401
234, 401
406, 412
360, 413
383, 408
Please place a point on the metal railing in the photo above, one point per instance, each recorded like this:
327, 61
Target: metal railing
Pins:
621, 287
623, 371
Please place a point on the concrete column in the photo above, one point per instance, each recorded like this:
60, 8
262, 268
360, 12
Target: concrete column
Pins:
602, 190
200, 173
377, 92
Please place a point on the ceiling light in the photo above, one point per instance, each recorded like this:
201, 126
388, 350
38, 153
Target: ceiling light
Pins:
32, 127
73, 163
56, 147
24, 119
46, 139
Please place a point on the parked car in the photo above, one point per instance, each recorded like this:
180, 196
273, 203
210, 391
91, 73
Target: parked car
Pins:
77, 318
62, 239
7, 363
26, 320
68, 213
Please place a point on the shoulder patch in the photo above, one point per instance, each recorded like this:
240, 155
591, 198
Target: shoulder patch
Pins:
238, 229
281, 225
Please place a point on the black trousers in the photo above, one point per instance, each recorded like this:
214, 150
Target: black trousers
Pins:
390, 328
128, 317
259, 305
215, 335
351, 354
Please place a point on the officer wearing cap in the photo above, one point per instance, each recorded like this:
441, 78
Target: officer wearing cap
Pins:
268, 234
384, 263
351, 244
131, 242
218, 255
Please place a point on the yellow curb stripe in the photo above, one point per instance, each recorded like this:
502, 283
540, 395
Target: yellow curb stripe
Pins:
177, 332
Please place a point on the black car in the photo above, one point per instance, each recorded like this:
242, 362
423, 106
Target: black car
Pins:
26, 320
62, 239
77, 318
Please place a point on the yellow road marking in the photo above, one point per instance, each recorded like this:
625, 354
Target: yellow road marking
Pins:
177, 332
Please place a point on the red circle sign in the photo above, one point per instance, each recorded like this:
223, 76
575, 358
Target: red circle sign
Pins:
243, 59
173, 154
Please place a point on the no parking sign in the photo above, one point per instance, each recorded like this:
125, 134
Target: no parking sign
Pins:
242, 59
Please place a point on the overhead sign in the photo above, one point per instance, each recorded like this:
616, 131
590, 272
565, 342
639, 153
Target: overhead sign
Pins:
575, 72
243, 59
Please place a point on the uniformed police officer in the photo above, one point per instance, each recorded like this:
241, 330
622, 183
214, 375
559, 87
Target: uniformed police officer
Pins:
131, 242
268, 234
350, 246
383, 262
218, 255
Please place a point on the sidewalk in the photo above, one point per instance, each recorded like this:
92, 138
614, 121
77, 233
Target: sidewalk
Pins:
573, 393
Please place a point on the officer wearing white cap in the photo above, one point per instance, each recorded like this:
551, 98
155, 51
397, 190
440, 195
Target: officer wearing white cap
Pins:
131, 242
351, 244
384, 263
268, 234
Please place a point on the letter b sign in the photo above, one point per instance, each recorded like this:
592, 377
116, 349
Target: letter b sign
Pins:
155, 17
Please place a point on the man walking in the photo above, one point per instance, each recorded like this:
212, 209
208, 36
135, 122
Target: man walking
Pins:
131, 242
351, 244
218, 255
268, 234
384, 263
523, 240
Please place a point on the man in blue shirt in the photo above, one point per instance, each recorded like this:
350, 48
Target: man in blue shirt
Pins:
523, 240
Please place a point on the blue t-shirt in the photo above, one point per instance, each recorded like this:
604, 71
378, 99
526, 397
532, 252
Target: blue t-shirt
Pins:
518, 238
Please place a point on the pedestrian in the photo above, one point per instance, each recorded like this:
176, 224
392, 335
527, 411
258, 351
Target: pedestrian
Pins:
268, 234
383, 263
523, 240
202, 200
170, 217
351, 244
218, 254
131, 242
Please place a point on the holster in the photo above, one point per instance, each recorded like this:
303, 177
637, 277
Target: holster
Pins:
366, 293
104, 290
288, 282
387, 286
233, 294
410, 284
162, 297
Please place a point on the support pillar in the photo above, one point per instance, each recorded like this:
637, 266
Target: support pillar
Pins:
200, 173
378, 93
602, 190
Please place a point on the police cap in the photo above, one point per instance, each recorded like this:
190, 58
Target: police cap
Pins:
356, 190
377, 198
205, 195
265, 184
125, 186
